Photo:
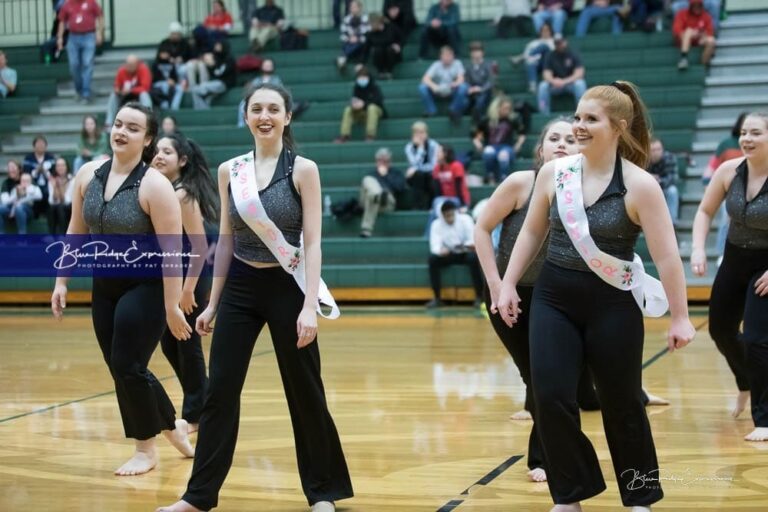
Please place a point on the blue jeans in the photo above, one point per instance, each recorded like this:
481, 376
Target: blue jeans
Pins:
711, 6
480, 102
533, 69
591, 12
546, 91
498, 159
21, 215
81, 48
555, 18
458, 99
178, 94
672, 197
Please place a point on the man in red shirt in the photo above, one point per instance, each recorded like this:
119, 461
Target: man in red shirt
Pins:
132, 82
693, 27
85, 22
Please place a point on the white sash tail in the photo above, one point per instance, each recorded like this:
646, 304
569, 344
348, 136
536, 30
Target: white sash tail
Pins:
245, 191
624, 275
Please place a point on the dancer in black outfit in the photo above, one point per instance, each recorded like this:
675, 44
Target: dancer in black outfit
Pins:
125, 196
740, 290
183, 163
251, 290
578, 318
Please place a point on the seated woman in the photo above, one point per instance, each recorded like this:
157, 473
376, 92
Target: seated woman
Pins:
366, 106
450, 182
499, 137
93, 144
214, 28
60, 187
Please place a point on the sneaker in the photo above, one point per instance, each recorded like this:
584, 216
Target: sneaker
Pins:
86, 100
434, 303
365, 234
341, 61
341, 139
682, 64
323, 506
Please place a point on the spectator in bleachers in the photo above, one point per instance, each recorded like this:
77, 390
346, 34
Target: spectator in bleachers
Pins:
133, 81
266, 24
662, 165
451, 242
85, 22
168, 126
13, 176
713, 7
8, 77
38, 164
385, 42
693, 27
59, 191
340, 8
646, 15
513, 13
211, 76
444, 79
617, 10
450, 180
354, 30
167, 91
17, 205
400, 13
441, 28
267, 75
380, 191
365, 106
92, 145
480, 78
554, 12
178, 48
421, 153
534, 55
562, 73
215, 27
499, 138
247, 8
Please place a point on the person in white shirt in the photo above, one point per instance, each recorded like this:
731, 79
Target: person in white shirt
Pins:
17, 204
451, 242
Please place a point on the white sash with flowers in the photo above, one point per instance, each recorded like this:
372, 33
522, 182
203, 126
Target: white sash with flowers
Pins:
245, 191
624, 275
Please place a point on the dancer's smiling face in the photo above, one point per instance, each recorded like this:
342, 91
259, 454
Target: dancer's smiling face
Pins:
754, 137
167, 159
592, 127
266, 115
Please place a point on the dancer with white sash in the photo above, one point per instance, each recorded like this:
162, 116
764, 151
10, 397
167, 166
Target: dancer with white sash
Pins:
740, 289
270, 222
588, 303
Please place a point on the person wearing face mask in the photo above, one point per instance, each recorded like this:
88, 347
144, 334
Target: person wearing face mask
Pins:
211, 76
267, 76
366, 106
354, 30
591, 294
740, 290
125, 198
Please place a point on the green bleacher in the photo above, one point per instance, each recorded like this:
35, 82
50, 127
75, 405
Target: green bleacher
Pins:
395, 257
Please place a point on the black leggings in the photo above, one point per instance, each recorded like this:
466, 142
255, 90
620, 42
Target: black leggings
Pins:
517, 342
129, 318
187, 359
733, 300
576, 318
253, 298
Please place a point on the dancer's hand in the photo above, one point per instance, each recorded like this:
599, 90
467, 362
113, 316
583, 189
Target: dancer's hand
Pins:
204, 320
306, 327
681, 333
495, 290
509, 305
177, 324
59, 301
187, 302
699, 262
761, 285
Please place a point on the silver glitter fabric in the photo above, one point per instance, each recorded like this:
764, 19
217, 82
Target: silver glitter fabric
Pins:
510, 229
122, 214
749, 220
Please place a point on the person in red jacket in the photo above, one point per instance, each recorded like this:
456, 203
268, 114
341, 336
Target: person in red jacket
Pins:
450, 178
132, 82
693, 27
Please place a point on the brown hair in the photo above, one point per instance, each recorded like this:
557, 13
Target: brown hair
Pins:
538, 159
622, 101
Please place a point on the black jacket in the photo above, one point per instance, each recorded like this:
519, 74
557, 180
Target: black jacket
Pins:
371, 93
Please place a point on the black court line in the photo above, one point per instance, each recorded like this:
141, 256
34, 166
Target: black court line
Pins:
91, 397
498, 470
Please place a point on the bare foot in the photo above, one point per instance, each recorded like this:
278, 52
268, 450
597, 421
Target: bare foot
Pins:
741, 403
537, 475
759, 434
521, 416
571, 507
193, 427
179, 438
141, 462
656, 400
179, 506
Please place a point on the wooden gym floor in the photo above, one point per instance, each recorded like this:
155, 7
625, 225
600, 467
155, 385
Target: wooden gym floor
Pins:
421, 401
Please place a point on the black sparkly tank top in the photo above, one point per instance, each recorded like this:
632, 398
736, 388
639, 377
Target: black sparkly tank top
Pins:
749, 219
120, 215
